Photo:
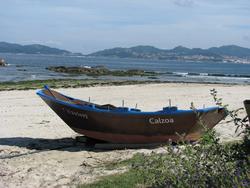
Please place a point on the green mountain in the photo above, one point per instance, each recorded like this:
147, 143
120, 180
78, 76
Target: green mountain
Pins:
179, 52
145, 49
133, 52
32, 49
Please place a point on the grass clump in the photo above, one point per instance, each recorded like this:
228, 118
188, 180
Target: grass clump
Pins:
128, 179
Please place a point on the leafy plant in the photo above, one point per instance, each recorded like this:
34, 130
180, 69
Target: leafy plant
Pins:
209, 135
242, 123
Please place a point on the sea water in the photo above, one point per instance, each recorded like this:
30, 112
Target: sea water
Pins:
33, 67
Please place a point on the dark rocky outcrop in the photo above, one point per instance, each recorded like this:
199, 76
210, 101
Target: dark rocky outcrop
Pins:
100, 71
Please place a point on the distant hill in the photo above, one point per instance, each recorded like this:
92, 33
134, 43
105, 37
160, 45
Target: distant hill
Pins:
230, 53
32, 49
231, 50
133, 52
178, 53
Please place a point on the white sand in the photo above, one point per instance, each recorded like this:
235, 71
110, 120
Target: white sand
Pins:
25, 120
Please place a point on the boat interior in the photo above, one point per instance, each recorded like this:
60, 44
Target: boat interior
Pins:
70, 100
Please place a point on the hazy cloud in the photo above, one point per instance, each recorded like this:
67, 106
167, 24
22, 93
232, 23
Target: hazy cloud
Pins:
246, 38
245, 26
184, 3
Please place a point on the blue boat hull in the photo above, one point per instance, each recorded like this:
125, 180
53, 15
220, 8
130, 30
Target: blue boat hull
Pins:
124, 126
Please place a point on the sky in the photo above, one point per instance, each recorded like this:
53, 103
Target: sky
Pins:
90, 25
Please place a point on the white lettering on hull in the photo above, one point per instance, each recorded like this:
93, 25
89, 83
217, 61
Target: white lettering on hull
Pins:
161, 121
84, 116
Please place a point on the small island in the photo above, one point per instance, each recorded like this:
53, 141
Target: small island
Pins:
100, 71
2, 63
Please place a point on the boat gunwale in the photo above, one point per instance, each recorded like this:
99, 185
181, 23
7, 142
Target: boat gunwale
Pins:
129, 112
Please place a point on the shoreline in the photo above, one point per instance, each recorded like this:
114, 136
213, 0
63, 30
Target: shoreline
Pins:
82, 83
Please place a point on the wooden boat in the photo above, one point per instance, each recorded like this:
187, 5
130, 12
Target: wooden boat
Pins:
129, 125
247, 107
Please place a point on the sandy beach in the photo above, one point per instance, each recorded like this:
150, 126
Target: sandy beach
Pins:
29, 129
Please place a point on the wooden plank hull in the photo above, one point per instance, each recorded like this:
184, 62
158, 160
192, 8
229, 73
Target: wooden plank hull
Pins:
135, 127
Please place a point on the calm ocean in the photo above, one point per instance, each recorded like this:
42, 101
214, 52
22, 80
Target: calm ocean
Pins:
30, 67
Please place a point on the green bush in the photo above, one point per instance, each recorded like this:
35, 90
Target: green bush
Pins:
194, 166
